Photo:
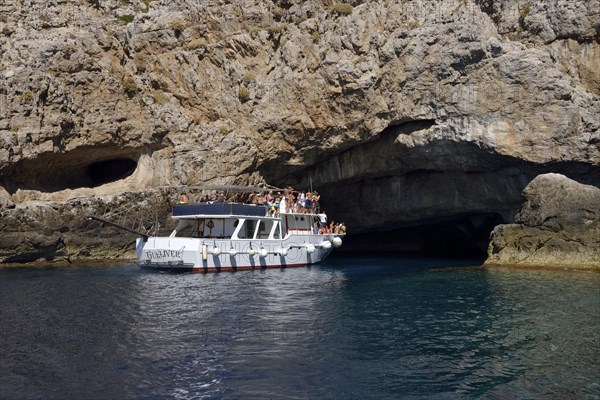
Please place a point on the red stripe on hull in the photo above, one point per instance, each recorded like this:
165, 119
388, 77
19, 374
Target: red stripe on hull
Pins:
222, 269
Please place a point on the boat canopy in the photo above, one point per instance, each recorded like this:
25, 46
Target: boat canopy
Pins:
191, 210
232, 188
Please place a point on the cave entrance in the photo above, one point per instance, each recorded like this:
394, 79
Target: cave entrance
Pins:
78, 169
107, 171
464, 237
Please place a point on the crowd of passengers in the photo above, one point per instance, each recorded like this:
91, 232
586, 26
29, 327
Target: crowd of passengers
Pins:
299, 202
331, 227
295, 201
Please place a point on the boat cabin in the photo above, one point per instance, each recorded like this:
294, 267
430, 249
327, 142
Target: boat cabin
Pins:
239, 221
228, 228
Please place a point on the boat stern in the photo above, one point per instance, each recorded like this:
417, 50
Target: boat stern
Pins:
168, 253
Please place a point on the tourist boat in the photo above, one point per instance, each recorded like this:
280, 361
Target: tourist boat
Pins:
234, 236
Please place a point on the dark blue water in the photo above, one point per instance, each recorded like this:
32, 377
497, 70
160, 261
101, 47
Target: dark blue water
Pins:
350, 328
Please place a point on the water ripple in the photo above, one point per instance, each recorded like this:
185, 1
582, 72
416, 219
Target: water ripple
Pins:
352, 328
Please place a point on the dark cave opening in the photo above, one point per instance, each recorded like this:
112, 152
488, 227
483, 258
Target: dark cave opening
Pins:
52, 173
107, 171
464, 237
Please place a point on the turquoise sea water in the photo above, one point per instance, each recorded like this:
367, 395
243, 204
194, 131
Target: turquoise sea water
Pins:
354, 327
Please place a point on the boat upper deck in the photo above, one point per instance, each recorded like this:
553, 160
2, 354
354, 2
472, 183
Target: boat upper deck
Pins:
218, 209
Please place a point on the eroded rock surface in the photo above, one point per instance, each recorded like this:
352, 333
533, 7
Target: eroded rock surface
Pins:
558, 225
401, 113
59, 231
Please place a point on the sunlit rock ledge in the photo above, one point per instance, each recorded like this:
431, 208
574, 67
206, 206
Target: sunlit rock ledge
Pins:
558, 226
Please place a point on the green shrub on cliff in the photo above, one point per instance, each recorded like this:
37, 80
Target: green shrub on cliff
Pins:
127, 18
277, 28
27, 97
243, 93
249, 77
179, 25
342, 8
130, 86
278, 12
525, 9
160, 97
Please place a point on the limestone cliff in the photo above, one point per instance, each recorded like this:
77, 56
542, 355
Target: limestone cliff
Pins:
558, 226
402, 113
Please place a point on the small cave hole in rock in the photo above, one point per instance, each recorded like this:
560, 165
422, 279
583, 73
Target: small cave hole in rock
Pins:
102, 172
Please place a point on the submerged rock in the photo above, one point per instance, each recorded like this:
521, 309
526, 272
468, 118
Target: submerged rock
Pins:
558, 226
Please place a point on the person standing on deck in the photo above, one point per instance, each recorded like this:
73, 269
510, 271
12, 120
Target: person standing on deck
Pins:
301, 202
283, 205
307, 203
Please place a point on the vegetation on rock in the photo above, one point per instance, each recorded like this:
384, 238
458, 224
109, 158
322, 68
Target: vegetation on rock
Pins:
342, 8
244, 93
523, 13
130, 86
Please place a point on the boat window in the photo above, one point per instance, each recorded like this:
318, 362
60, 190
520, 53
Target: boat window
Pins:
247, 230
264, 229
250, 227
199, 231
277, 233
185, 231
191, 229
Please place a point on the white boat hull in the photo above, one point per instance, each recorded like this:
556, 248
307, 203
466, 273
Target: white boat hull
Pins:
209, 255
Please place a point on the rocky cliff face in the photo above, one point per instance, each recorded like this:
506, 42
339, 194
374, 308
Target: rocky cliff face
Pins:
401, 113
558, 225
